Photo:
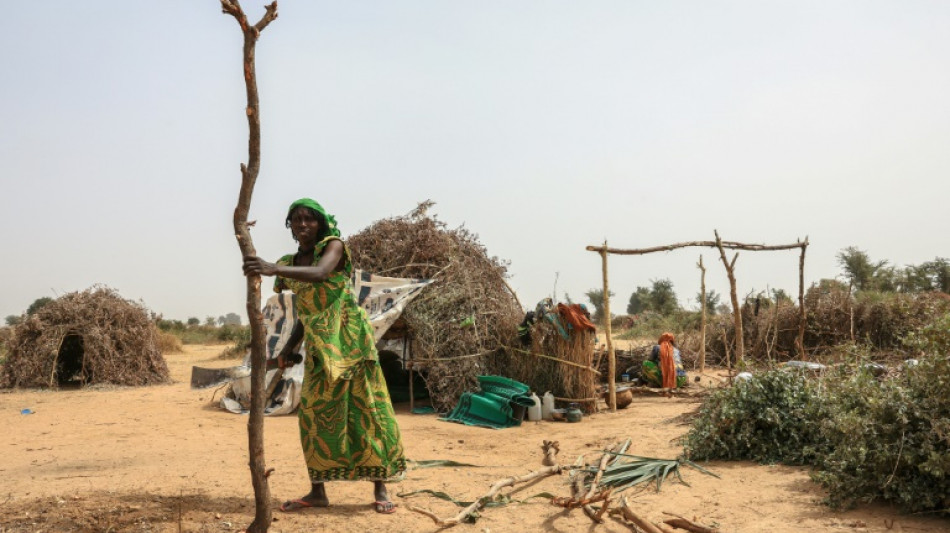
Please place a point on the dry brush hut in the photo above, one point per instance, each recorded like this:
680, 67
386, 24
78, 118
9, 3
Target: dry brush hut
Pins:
84, 338
458, 323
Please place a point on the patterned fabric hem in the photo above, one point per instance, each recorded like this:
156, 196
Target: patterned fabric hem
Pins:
360, 473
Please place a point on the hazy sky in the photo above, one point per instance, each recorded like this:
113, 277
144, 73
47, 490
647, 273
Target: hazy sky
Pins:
543, 126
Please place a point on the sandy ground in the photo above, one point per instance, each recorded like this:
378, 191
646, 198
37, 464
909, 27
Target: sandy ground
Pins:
165, 459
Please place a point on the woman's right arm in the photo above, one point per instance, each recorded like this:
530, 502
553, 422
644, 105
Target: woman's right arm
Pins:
330, 261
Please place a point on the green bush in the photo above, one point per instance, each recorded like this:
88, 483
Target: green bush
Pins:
204, 334
890, 440
770, 418
869, 438
933, 338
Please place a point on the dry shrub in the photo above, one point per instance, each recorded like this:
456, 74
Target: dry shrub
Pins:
467, 310
5, 335
168, 343
879, 321
89, 337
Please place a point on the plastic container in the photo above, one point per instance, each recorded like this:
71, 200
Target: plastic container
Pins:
534, 412
547, 406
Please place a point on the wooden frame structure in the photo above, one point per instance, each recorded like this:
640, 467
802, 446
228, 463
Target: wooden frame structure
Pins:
721, 245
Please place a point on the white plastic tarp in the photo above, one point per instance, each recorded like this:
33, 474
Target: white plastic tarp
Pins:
382, 297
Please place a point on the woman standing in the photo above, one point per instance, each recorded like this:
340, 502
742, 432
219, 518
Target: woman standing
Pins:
347, 425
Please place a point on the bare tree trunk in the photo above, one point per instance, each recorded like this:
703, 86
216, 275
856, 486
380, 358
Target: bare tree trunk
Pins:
802, 316
702, 334
249, 172
611, 356
736, 311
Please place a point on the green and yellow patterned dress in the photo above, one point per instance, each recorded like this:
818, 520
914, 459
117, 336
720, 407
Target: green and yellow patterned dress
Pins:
347, 425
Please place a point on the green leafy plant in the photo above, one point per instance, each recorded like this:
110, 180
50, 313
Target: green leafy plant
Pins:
769, 418
632, 470
932, 338
870, 438
890, 440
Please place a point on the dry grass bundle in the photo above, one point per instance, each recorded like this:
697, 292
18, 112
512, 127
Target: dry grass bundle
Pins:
84, 338
563, 380
468, 310
168, 343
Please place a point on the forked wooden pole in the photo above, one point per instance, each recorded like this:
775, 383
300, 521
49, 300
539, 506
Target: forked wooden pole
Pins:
736, 310
249, 172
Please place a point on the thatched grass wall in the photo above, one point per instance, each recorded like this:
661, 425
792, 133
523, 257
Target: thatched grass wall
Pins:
467, 311
84, 338
562, 380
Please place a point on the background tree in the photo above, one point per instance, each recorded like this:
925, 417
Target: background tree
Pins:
940, 270
639, 301
38, 304
596, 297
713, 301
193, 321
863, 273
230, 319
929, 276
13, 320
663, 297
659, 297
210, 321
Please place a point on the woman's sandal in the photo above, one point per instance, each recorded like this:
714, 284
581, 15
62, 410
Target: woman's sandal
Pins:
384, 507
291, 506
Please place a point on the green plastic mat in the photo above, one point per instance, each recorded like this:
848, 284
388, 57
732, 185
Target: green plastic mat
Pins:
500, 404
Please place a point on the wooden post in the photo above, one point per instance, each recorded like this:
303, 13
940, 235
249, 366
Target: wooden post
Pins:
249, 172
409, 366
802, 316
412, 396
611, 356
736, 310
702, 334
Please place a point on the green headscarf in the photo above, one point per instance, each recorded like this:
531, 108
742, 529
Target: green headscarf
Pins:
312, 204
